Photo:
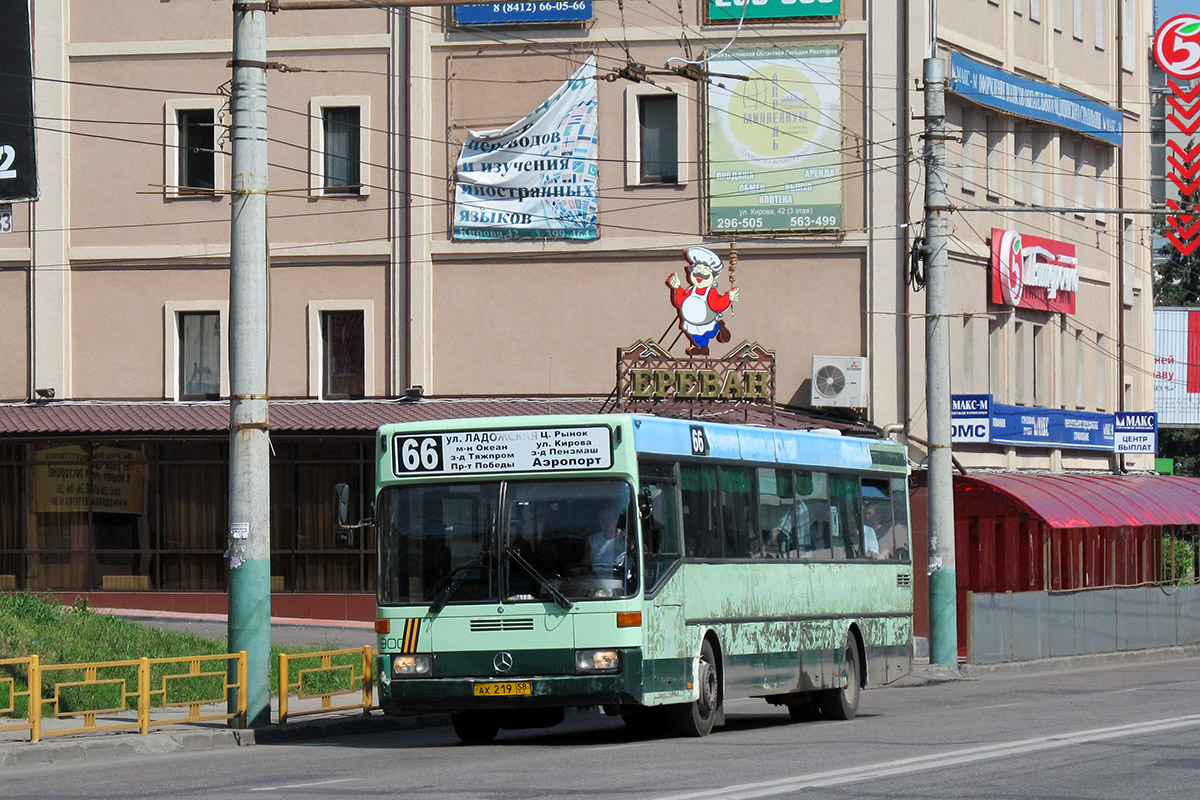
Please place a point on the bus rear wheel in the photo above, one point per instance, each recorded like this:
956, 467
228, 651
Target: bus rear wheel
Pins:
475, 727
696, 719
842, 704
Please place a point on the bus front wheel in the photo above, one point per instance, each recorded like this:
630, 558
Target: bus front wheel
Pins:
696, 719
842, 704
475, 727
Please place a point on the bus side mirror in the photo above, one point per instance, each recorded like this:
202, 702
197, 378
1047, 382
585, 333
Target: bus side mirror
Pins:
341, 505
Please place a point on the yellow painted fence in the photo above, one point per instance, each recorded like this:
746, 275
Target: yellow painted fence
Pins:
120, 695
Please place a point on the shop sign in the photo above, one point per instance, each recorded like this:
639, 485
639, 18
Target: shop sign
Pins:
1033, 272
1029, 426
1004, 91
775, 140
734, 10
1135, 432
648, 375
524, 13
537, 178
66, 479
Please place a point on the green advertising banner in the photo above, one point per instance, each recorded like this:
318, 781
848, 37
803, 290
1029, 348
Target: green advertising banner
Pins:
732, 10
775, 140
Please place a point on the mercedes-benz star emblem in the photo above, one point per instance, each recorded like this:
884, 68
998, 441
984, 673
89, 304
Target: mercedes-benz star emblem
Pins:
502, 662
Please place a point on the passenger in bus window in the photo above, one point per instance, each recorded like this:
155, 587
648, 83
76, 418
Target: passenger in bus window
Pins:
607, 543
879, 533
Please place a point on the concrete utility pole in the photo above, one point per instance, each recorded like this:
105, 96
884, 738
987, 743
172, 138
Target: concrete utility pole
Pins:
249, 549
943, 613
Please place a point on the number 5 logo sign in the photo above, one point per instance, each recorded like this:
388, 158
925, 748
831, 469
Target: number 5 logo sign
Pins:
1177, 46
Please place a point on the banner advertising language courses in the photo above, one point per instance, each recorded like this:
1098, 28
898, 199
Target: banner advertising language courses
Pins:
537, 178
774, 140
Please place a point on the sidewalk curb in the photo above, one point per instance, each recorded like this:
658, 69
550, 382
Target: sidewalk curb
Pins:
92, 746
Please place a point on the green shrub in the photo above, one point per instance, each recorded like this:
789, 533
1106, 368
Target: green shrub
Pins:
1178, 557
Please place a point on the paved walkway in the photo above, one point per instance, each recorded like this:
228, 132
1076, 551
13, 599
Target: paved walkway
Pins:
17, 750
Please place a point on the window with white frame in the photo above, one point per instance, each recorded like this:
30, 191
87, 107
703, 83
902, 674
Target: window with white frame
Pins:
1035, 10
339, 145
341, 353
196, 343
656, 135
1104, 159
1023, 156
1040, 142
1103, 359
1079, 187
996, 126
191, 159
1101, 14
971, 137
1128, 30
1056, 15
1077, 19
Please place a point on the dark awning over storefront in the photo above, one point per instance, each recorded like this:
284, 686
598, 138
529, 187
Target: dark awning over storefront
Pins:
1094, 501
345, 417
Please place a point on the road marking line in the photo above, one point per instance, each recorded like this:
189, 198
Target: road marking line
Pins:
303, 785
935, 760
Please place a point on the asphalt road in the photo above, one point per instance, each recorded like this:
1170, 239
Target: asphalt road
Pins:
1108, 733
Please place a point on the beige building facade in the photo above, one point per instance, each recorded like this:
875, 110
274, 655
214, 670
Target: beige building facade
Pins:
114, 285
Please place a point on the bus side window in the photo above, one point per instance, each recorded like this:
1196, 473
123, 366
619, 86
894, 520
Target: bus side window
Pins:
738, 505
900, 547
846, 512
812, 492
701, 520
660, 529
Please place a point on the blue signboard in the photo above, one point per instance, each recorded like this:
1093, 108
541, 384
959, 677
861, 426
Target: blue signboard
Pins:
1136, 432
524, 13
995, 88
975, 418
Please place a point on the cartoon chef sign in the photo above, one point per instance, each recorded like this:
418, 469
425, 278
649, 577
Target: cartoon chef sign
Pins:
700, 304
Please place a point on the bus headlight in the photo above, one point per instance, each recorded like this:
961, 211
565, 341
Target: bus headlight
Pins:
411, 666
597, 661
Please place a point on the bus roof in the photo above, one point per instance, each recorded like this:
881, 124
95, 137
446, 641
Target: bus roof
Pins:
672, 437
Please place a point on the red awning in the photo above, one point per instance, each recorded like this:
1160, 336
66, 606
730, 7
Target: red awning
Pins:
1097, 501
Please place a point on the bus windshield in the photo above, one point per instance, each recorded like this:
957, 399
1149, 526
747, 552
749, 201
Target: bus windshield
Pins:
451, 543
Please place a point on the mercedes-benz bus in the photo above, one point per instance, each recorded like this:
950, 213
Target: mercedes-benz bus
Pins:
647, 566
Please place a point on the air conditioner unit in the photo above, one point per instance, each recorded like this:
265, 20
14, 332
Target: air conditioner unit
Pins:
839, 381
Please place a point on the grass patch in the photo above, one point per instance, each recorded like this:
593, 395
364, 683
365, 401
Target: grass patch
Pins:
60, 634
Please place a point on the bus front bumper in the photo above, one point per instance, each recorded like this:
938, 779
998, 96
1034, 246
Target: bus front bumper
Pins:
405, 695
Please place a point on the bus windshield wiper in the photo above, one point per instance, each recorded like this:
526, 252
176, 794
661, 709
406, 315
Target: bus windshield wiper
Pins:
454, 581
559, 598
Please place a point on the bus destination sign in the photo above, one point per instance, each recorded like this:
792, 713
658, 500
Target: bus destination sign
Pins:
585, 447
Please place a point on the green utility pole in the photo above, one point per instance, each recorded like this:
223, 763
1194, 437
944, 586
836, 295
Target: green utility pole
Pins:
249, 545
943, 599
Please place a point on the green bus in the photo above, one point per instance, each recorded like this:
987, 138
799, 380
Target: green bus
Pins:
647, 566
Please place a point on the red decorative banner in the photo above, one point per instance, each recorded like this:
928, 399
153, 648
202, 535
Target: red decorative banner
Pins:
1177, 51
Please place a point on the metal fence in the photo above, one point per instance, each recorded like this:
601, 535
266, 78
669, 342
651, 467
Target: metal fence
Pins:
138, 694
1022, 626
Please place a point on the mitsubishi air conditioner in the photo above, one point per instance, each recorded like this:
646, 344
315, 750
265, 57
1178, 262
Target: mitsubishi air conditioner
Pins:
839, 381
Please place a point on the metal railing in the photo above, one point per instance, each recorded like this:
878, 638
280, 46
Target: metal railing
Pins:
121, 695
100, 692
353, 678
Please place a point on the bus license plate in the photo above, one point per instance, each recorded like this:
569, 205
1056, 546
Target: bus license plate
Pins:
503, 688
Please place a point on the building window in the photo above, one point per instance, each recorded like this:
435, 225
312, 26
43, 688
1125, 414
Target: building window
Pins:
338, 134
970, 148
1035, 10
199, 355
658, 136
191, 139
341, 352
1101, 13
196, 343
197, 170
655, 135
342, 157
995, 156
343, 374
1077, 19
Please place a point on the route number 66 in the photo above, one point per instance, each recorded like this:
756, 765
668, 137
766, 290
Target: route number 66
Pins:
419, 454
